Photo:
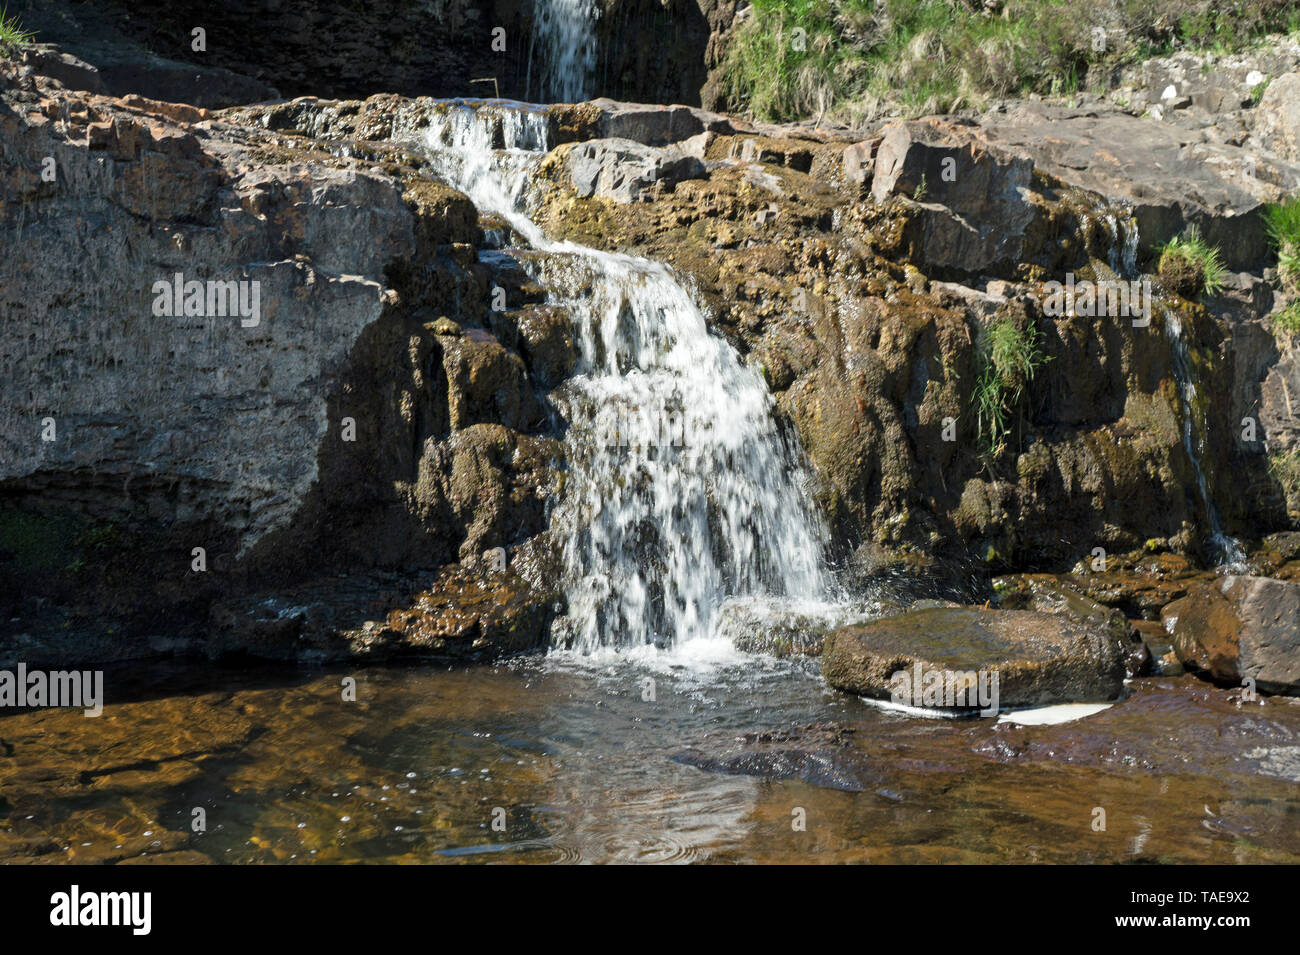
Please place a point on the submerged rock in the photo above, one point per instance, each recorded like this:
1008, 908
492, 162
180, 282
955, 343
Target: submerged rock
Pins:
1038, 658
819, 753
1240, 628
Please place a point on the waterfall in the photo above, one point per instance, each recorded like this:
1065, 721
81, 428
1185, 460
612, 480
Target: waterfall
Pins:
1123, 231
682, 490
564, 30
1226, 550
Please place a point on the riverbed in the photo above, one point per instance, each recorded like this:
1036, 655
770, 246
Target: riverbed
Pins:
702, 754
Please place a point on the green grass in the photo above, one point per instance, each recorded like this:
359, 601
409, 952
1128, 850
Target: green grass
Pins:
1203, 259
1288, 320
12, 36
1284, 466
858, 58
1009, 358
1282, 220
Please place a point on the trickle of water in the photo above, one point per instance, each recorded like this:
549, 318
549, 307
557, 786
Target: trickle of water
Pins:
565, 32
682, 490
1226, 550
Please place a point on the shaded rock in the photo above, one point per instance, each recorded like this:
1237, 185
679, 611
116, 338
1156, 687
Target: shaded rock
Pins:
1240, 628
1039, 658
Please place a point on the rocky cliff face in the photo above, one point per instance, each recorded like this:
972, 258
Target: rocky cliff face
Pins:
270, 388
645, 50
864, 277
343, 411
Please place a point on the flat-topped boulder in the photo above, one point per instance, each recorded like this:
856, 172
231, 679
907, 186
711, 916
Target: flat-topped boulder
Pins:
1038, 658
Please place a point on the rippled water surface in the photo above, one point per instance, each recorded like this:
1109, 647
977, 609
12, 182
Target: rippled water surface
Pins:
600, 761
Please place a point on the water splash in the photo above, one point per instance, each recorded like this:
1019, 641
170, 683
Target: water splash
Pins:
682, 490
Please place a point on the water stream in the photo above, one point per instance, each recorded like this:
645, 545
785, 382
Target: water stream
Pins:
682, 491
562, 54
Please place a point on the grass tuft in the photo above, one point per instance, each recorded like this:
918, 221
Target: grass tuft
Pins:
1191, 266
12, 36
1282, 220
1009, 358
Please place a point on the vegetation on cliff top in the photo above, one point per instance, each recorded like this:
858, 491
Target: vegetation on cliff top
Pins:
792, 59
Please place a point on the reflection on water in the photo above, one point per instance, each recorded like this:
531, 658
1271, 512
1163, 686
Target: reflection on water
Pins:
580, 759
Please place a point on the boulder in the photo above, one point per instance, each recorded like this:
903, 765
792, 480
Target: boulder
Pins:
1045, 593
975, 197
859, 163
1277, 118
1169, 176
1240, 628
1038, 658
626, 171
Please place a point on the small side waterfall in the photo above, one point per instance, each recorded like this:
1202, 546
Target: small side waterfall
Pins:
1122, 248
1226, 550
562, 55
681, 490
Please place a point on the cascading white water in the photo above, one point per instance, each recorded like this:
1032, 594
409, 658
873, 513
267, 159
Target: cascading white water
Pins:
681, 489
564, 30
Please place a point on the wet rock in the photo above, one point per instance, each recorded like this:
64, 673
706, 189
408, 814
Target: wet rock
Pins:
768, 625
1240, 628
1044, 593
626, 171
1039, 658
466, 617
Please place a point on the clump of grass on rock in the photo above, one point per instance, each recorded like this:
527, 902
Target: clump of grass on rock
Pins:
1010, 356
1190, 266
12, 36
